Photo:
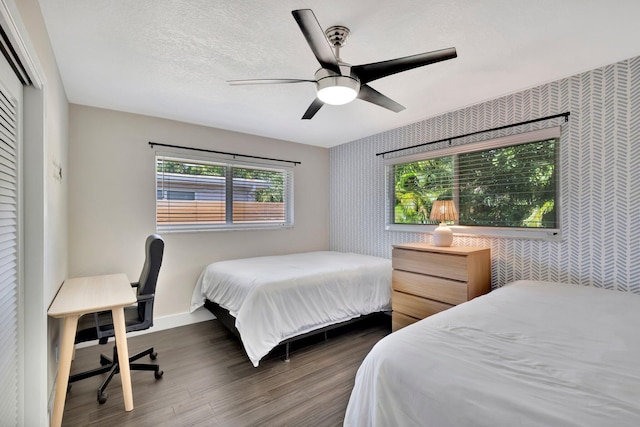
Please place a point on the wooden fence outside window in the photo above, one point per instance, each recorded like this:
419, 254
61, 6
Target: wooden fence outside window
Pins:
189, 212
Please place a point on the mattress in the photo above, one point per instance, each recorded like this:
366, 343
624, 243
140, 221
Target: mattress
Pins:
527, 354
275, 298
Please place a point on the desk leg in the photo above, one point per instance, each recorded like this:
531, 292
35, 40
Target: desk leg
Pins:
123, 356
64, 367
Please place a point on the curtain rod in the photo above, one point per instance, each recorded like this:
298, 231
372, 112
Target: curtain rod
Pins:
152, 144
565, 115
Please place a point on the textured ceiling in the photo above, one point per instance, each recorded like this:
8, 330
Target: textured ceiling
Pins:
172, 58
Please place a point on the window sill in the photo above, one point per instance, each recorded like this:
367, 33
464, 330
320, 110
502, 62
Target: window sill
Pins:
550, 235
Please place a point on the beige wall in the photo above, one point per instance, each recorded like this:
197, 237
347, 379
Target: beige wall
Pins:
112, 200
54, 147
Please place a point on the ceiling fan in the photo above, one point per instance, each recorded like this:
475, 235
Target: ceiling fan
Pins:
339, 83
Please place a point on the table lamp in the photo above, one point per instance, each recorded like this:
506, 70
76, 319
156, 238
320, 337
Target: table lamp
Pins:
441, 211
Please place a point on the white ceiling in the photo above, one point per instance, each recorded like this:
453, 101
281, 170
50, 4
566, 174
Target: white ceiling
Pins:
172, 58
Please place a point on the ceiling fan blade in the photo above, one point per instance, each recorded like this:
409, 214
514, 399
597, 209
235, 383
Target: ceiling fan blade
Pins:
316, 39
313, 109
369, 94
370, 72
267, 81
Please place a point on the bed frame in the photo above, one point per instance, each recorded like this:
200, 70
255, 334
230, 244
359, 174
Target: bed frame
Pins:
229, 322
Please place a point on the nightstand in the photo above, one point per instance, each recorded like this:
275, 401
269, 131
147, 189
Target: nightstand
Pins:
428, 279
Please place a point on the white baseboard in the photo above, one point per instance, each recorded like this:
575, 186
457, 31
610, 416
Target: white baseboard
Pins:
166, 322
175, 320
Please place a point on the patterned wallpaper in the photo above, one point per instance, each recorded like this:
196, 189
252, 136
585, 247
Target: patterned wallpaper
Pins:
599, 180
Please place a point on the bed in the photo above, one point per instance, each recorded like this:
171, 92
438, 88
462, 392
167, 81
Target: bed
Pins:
527, 354
274, 299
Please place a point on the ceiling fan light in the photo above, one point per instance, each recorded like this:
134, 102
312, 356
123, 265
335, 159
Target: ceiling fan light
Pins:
337, 90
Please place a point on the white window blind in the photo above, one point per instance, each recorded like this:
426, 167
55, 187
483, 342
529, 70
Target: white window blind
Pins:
8, 259
511, 186
195, 194
507, 183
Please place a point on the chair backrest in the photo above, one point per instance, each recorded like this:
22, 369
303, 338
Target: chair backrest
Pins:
154, 250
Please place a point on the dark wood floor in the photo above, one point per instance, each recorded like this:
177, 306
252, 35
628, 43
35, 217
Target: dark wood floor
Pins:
209, 381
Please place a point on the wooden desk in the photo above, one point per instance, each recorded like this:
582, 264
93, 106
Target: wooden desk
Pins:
83, 295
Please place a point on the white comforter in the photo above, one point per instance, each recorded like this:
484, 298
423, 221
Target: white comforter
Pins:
528, 354
278, 297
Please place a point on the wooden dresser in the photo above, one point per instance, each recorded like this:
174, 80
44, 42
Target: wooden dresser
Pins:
428, 279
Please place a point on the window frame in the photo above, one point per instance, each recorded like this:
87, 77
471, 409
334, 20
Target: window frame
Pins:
548, 234
229, 163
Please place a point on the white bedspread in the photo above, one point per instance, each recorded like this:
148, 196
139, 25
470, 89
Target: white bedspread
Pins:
528, 354
278, 297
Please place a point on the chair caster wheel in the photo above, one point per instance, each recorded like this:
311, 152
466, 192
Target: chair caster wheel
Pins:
154, 355
158, 374
102, 398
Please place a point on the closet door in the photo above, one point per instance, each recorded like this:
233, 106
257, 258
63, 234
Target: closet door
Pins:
10, 246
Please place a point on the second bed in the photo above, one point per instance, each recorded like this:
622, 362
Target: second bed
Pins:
527, 354
275, 298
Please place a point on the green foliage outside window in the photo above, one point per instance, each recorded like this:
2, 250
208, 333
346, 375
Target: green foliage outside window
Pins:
168, 166
275, 179
511, 186
418, 185
275, 190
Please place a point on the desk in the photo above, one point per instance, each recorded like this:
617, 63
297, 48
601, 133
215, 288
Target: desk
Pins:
83, 295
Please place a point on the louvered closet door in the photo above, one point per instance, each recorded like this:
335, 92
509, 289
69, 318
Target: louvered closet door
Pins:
10, 344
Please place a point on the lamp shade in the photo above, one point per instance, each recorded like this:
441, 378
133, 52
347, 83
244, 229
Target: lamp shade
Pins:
443, 210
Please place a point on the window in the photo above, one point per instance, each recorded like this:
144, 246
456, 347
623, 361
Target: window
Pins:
206, 194
506, 186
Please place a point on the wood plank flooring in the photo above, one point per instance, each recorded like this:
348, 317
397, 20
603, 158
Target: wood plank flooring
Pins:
209, 381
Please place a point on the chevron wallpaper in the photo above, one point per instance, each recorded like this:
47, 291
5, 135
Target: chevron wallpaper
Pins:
599, 172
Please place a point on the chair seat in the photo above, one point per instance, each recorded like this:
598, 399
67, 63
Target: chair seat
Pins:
87, 330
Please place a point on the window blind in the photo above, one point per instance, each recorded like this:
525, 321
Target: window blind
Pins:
508, 187
190, 192
508, 182
193, 194
8, 258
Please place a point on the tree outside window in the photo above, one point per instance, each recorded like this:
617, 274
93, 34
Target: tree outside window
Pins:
512, 186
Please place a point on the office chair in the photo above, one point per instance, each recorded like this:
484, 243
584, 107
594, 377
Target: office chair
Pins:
99, 326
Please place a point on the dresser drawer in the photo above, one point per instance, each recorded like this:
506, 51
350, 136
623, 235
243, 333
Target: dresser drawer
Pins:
449, 266
414, 306
399, 321
436, 288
